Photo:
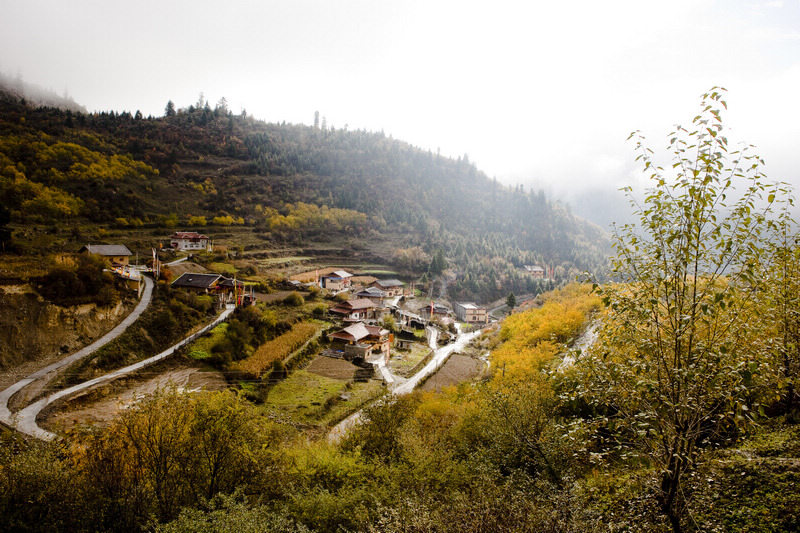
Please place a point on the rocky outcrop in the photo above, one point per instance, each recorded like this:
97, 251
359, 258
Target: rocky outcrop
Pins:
33, 328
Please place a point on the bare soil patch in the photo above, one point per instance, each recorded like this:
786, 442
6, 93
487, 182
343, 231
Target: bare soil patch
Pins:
363, 280
332, 368
98, 406
457, 369
186, 266
276, 296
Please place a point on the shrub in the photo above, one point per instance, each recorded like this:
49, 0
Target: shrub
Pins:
294, 299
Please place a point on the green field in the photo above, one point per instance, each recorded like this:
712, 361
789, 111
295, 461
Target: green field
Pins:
309, 398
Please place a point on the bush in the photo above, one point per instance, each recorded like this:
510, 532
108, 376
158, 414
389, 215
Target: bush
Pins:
294, 299
86, 283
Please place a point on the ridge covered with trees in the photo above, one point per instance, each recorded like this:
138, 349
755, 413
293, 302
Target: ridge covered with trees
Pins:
288, 183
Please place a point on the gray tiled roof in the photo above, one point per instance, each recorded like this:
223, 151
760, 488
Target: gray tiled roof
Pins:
107, 249
196, 281
390, 282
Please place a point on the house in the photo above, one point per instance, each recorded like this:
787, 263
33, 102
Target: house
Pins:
226, 288
435, 310
471, 313
392, 287
198, 282
336, 281
352, 310
407, 318
536, 271
405, 339
116, 254
189, 240
371, 343
373, 294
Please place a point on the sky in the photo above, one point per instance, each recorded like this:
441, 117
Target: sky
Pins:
536, 93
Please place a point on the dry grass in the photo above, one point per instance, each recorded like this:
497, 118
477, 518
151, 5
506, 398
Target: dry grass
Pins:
277, 349
332, 368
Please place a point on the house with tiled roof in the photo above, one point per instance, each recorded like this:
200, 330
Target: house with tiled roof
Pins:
471, 313
197, 282
336, 281
370, 343
392, 287
373, 294
190, 241
117, 254
353, 310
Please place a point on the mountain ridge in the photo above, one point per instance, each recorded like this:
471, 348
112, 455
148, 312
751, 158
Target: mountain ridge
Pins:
288, 183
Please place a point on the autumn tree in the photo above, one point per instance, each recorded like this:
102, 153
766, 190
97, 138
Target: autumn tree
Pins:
673, 364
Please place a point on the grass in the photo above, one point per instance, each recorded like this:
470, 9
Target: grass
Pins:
302, 394
269, 261
201, 348
223, 268
309, 398
402, 362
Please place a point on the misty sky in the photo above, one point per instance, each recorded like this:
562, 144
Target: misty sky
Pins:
543, 93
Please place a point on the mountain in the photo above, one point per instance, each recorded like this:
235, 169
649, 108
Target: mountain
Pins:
37, 95
285, 183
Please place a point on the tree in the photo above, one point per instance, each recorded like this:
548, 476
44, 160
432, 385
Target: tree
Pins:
511, 301
673, 363
438, 263
169, 111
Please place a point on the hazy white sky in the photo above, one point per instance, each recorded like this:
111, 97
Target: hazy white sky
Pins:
535, 92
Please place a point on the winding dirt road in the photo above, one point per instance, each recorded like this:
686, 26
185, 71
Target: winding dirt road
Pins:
26, 418
10, 419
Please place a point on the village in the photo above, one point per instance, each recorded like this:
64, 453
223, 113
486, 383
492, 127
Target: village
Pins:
364, 305
347, 337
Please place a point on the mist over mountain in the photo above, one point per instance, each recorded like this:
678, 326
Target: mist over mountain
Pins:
36, 95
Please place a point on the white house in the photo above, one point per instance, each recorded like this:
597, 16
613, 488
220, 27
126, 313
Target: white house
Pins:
190, 241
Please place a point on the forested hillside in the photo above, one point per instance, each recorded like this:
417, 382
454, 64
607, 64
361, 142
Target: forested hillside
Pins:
289, 183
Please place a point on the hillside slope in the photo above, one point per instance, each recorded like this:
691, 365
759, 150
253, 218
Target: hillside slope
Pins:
289, 183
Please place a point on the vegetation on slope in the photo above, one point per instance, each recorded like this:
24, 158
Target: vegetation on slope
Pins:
682, 417
287, 183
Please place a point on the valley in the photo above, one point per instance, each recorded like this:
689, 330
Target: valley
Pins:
210, 319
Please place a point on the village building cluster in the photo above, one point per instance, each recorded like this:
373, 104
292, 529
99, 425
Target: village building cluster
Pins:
362, 335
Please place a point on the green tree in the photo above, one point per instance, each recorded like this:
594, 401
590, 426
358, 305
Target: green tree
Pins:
169, 111
511, 301
674, 360
438, 263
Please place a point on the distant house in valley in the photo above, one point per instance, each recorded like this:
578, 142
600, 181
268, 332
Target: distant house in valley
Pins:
405, 339
392, 287
190, 241
407, 318
352, 310
117, 254
471, 313
373, 294
437, 310
536, 271
198, 282
371, 343
336, 281
217, 285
